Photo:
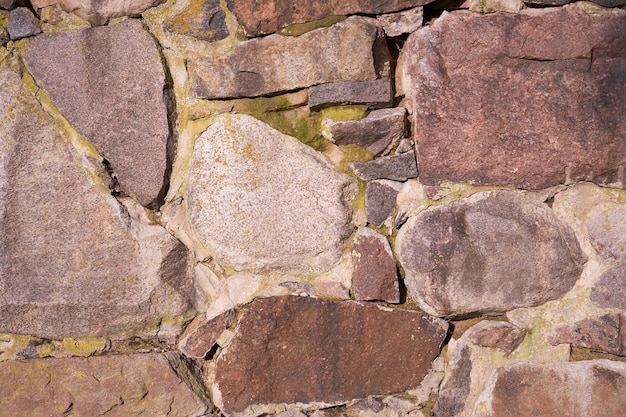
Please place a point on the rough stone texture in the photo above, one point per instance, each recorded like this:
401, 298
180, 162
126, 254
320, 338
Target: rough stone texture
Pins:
375, 132
374, 93
202, 19
121, 385
22, 23
380, 201
267, 17
201, 335
577, 389
498, 334
492, 252
108, 82
606, 225
98, 12
261, 200
610, 289
606, 333
490, 6
72, 263
375, 275
10, 4
406, 21
605, 3
395, 167
342, 351
456, 386
492, 112
280, 63
4, 36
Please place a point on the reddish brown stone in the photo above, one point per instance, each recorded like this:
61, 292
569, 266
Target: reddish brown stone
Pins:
610, 290
304, 350
571, 389
201, 335
605, 333
374, 275
492, 97
261, 18
498, 334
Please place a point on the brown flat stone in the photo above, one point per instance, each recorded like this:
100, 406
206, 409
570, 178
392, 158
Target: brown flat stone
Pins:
262, 18
98, 12
201, 335
606, 333
498, 334
490, 94
306, 350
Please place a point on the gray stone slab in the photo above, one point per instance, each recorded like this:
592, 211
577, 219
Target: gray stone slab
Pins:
22, 23
374, 93
395, 167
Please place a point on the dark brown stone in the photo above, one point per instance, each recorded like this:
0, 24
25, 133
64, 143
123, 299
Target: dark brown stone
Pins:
380, 200
305, 350
610, 290
374, 275
201, 335
498, 334
375, 132
121, 385
571, 389
490, 94
605, 333
489, 253
22, 23
10, 4
202, 19
262, 18
374, 93
108, 82
395, 167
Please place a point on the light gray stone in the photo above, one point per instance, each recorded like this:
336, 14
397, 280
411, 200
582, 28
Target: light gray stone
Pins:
98, 12
489, 253
395, 167
406, 21
108, 82
262, 200
72, 261
606, 225
374, 93
281, 63
22, 23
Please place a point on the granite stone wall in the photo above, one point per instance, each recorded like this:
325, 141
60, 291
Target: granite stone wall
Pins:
312, 208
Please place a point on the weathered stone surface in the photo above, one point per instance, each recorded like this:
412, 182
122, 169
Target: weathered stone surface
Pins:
280, 63
605, 3
261, 200
375, 132
98, 12
395, 167
582, 389
492, 112
456, 386
610, 289
269, 16
202, 19
201, 335
72, 262
606, 333
342, 351
380, 201
108, 82
606, 225
375, 275
374, 93
4, 36
121, 385
498, 334
492, 252
10, 4
406, 21
22, 23
490, 6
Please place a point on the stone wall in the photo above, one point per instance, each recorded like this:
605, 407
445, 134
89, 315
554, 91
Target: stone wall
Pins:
312, 208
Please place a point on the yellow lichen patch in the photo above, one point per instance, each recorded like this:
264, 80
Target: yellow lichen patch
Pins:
11, 345
4, 18
55, 20
72, 347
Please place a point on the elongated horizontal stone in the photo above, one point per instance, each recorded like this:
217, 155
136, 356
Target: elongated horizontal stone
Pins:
490, 94
321, 351
606, 333
121, 385
98, 12
492, 252
281, 63
395, 167
262, 18
374, 93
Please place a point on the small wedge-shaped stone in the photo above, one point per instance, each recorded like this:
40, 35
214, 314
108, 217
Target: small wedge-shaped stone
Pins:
98, 12
108, 82
321, 351
261, 200
491, 92
120, 385
72, 262
342, 52
262, 18
490, 253
577, 389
